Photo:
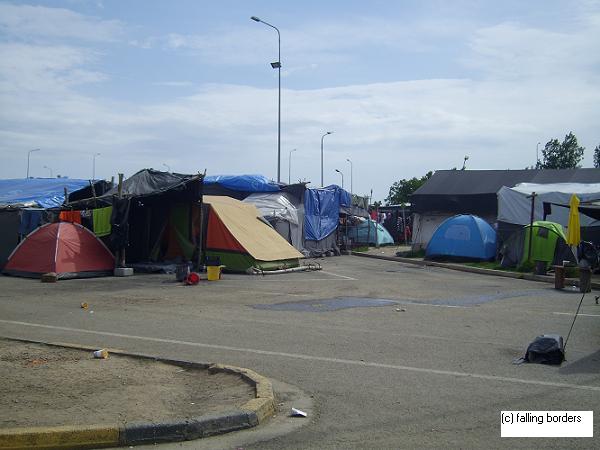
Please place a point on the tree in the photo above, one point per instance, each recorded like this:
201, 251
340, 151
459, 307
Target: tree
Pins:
565, 155
597, 157
401, 190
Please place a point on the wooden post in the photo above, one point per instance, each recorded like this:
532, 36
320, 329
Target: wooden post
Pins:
121, 253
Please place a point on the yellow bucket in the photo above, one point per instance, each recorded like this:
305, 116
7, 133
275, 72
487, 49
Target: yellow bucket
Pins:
213, 273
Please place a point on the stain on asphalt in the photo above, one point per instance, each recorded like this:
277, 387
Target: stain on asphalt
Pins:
335, 304
332, 304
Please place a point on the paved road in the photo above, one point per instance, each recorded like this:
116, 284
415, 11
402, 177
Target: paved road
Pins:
432, 369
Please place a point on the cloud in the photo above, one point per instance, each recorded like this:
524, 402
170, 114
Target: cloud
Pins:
39, 22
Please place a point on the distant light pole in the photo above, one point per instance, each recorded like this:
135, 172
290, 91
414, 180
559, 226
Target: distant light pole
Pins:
537, 158
465, 162
28, 155
323, 137
50, 169
342, 174
351, 177
290, 167
94, 166
168, 167
276, 65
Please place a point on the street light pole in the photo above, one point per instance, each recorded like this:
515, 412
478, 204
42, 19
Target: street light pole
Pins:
537, 158
94, 166
28, 155
323, 137
351, 177
276, 65
290, 167
342, 174
168, 167
50, 169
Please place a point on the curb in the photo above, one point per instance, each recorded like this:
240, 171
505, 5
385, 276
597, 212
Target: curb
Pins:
461, 268
251, 414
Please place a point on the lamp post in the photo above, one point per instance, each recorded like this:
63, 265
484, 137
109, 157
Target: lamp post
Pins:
168, 167
465, 162
50, 169
290, 167
537, 158
28, 155
94, 166
276, 65
341, 173
351, 187
323, 137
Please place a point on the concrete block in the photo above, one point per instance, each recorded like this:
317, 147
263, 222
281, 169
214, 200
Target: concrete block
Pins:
123, 271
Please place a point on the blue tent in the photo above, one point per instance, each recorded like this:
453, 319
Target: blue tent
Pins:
463, 237
376, 235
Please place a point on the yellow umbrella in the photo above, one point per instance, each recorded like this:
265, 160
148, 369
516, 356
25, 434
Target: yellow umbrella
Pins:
573, 230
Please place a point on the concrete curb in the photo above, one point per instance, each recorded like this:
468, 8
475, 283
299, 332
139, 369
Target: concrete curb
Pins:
479, 270
252, 413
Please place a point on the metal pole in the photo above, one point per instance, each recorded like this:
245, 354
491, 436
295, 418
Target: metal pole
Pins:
533, 194
28, 155
94, 166
537, 158
290, 167
351, 177
323, 137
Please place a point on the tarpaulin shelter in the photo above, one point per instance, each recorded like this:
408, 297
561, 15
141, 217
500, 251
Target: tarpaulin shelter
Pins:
238, 237
284, 213
450, 192
157, 217
464, 236
238, 186
321, 218
548, 244
69, 250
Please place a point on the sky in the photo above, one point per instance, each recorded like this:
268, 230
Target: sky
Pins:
186, 86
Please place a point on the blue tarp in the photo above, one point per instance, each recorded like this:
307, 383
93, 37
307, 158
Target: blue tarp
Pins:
245, 183
41, 192
463, 236
322, 211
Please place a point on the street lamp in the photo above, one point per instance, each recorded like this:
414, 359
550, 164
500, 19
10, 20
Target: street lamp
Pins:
351, 177
28, 155
94, 166
340, 172
276, 65
50, 169
168, 167
323, 137
290, 167
465, 162
537, 158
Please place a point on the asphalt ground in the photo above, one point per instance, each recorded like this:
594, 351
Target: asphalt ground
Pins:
431, 369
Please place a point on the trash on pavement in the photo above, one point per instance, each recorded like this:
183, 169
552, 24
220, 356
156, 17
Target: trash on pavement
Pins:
101, 354
298, 413
84, 305
192, 279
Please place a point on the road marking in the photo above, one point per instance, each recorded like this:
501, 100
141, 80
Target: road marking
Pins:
314, 358
341, 276
580, 314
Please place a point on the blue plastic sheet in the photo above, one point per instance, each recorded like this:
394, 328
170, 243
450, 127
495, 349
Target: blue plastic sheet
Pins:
245, 183
41, 192
322, 211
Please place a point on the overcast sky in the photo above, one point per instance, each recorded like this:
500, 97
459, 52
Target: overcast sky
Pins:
406, 86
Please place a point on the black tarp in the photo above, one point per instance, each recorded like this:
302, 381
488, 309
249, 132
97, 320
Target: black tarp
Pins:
474, 191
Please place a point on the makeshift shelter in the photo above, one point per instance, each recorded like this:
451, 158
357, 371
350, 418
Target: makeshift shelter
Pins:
548, 244
322, 215
70, 250
280, 210
514, 206
239, 239
450, 192
367, 231
464, 236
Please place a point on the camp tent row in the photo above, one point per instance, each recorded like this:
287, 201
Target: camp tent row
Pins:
158, 216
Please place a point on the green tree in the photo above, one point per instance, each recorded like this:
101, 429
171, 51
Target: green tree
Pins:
597, 157
565, 155
401, 190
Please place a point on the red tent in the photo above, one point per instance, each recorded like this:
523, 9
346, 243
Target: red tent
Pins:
68, 249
